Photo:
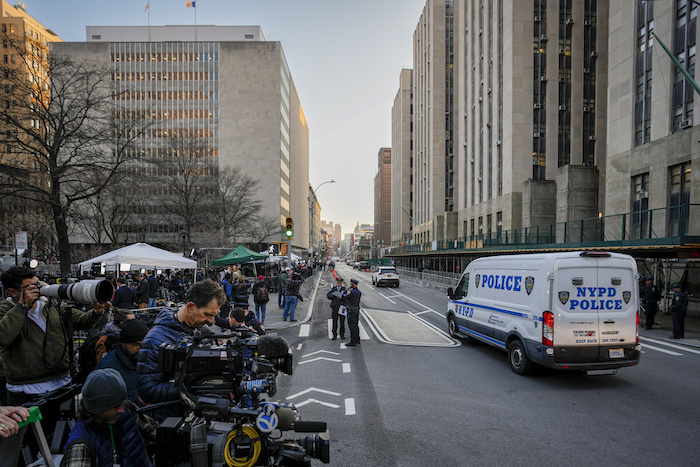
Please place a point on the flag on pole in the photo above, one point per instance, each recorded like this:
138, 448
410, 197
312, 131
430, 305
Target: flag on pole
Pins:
191, 4
147, 6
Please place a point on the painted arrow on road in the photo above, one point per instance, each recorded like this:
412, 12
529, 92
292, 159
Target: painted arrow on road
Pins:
305, 391
320, 358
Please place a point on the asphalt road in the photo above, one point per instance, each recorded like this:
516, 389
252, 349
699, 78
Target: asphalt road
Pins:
410, 396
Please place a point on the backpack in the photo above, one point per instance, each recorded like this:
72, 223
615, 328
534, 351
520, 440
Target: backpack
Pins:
92, 350
262, 295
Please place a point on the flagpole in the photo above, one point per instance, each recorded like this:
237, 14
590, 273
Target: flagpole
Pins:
195, 22
148, 7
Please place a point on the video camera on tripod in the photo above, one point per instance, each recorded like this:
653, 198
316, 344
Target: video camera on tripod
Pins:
228, 424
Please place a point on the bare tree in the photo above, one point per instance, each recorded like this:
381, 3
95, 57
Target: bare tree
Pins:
262, 228
188, 171
62, 133
236, 204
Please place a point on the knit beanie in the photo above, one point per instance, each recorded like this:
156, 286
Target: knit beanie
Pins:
103, 390
132, 330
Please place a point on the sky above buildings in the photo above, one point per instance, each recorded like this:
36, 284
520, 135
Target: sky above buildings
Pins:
345, 58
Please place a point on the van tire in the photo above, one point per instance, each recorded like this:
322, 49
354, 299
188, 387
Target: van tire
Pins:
452, 327
517, 358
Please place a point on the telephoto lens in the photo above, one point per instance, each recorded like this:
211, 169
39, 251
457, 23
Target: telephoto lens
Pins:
89, 291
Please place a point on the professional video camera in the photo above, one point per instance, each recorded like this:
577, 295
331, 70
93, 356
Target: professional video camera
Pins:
228, 424
87, 291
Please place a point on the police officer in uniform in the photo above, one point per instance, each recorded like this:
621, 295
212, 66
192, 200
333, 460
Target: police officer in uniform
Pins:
679, 305
651, 297
352, 296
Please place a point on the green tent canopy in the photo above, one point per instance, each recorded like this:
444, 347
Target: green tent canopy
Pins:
238, 255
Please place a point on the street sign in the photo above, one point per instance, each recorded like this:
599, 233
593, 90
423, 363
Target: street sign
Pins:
21, 241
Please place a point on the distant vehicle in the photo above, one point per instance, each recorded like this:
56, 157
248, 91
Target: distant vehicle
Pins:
385, 275
363, 265
356, 265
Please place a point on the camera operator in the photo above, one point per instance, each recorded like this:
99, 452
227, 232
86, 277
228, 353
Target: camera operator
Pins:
36, 346
241, 317
109, 430
172, 326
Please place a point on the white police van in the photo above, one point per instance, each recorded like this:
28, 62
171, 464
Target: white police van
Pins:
573, 311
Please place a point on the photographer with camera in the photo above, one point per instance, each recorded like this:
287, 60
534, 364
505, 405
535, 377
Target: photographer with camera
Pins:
172, 326
36, 342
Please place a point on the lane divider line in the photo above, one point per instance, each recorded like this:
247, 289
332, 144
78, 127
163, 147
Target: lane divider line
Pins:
350, 406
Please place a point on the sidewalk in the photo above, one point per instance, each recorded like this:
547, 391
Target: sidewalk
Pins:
304, 311
663, 329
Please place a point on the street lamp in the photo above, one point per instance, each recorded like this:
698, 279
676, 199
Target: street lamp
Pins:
183, 234
312, 212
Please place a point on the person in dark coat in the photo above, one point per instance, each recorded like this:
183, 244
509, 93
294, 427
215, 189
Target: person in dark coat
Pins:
679, 306
353, 296
153, 287
261, 295
109, 431
124, 357
335, 295
241, 292
124, 296
142, 289
172, 326
651, 297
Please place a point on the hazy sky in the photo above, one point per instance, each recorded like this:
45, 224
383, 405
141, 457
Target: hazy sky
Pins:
345, 58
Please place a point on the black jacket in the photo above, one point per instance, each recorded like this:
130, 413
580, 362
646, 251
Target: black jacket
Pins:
124, 297
335, 301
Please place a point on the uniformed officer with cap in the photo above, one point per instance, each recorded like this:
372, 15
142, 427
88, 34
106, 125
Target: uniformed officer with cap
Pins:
353, 296
679, 305
651, 297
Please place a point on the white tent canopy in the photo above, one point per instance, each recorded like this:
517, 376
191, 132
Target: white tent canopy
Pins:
141, 255
278, 258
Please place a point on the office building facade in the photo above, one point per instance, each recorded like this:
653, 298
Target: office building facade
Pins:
382, 199
228, 88
402, 161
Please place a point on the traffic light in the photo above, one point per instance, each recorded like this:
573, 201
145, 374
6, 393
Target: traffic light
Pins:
289, 227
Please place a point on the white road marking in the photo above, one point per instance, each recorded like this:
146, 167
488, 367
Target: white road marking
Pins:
659, 349
346, 368
350, 406
320, 358
319, 351
669, 344
309, 401
299, 346
387, 298
323, 391
304, 330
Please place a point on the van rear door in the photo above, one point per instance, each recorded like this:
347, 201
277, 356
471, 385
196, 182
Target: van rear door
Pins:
595, 309
576, 329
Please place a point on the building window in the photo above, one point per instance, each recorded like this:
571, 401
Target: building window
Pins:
640, 206
684, 50
679, 199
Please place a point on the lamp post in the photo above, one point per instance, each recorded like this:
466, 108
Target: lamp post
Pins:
183, 234
312, 213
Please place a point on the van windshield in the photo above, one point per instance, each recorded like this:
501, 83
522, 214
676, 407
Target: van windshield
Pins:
463, 287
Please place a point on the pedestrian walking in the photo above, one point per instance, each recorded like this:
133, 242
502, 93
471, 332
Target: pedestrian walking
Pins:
261, 295
651, 297
291, 294
679, 305
282, 285
142, 290
335, 295
353, 296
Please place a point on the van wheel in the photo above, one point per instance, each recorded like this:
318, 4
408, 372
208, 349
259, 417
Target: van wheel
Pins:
517, 358
452, 327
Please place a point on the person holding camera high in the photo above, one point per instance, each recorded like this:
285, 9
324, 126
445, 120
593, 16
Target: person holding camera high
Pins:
36, 347
173, 326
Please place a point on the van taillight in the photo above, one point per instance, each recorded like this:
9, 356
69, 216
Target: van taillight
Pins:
636, 329
548, 328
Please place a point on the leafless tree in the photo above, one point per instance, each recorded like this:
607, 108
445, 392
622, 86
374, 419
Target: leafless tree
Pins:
237, 206
63, 136
261, 229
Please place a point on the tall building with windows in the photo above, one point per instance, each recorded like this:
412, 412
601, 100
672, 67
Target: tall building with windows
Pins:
530, 112
653, 137
225, 86
434, 164
402, 161
25, 43
382, 199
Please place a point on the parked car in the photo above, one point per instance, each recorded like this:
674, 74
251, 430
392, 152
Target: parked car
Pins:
385, 275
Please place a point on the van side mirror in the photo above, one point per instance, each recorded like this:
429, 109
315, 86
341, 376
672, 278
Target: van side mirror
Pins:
450, 293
